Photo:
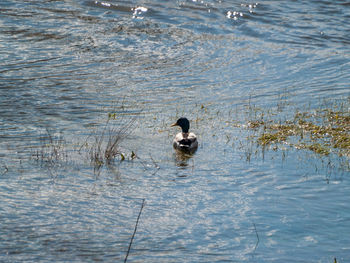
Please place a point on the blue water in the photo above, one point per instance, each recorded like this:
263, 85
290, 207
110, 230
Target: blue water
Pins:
66, 65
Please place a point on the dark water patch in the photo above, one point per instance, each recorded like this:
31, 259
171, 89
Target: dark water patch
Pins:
27, 64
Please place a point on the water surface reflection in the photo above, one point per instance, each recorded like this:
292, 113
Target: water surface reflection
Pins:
68, 66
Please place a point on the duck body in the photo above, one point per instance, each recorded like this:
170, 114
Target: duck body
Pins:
185, 141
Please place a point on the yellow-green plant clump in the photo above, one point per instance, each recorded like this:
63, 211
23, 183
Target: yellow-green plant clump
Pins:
323, 131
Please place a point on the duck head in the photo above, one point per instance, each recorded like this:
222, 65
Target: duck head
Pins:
183, 123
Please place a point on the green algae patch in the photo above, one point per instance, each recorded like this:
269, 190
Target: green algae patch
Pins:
318, 148
323, 131
268, 138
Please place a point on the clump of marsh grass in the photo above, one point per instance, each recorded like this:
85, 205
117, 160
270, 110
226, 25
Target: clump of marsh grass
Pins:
105, 145
52, 149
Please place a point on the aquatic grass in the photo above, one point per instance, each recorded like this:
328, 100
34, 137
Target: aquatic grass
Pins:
105, 146
318, 148
268, 138
52, 149
51, 153
325, 131
101, 147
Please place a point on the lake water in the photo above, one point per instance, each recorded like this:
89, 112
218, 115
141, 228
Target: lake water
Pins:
67, 66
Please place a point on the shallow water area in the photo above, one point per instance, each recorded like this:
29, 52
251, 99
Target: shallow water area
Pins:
73, 71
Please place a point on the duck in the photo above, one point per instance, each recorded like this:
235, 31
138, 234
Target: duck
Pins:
185, 141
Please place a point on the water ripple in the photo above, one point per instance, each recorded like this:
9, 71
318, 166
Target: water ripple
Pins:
66, 66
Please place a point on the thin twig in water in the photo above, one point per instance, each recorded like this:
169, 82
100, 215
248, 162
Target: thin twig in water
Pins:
135, 229
155, 164
84, 144
257, 236
6, 169
142, 162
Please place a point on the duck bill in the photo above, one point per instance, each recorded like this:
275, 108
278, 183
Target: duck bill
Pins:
174, 124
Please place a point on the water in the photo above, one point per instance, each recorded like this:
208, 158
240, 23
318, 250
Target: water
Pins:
66, 64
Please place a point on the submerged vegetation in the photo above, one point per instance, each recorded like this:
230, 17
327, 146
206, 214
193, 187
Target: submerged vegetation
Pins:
324, 131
